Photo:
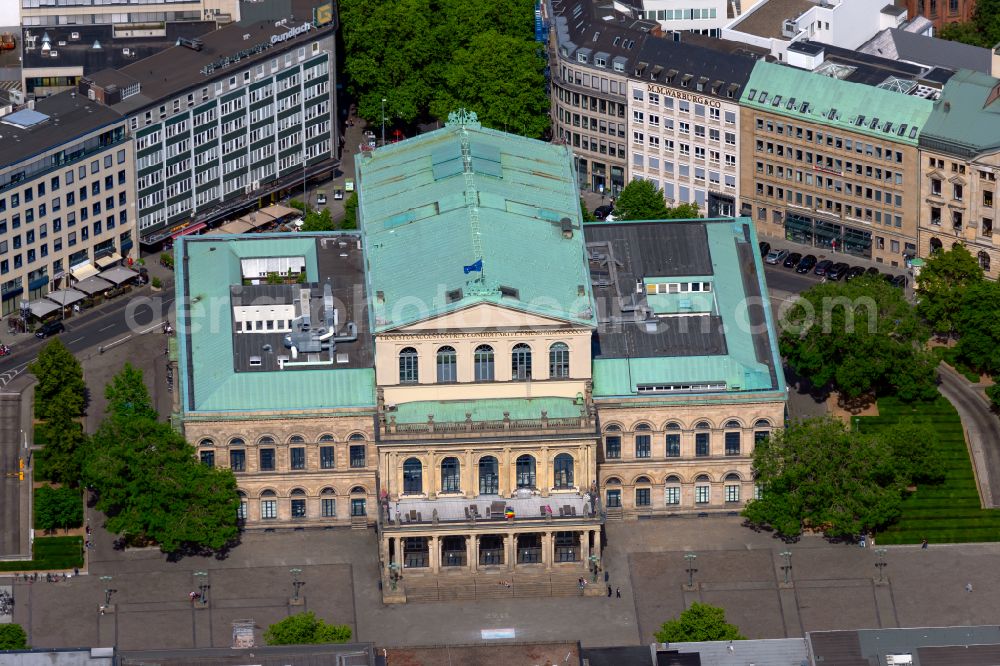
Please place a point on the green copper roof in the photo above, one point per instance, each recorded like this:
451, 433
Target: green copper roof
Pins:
206, 268
433, 207
962, 120
842, 104
453, 411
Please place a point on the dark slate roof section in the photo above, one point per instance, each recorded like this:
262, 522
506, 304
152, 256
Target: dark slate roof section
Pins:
940, 52
598, 27
622, 255
342, 266
837, 648
929, 646
349, 654
959, 655
870, 69
637, 655
70, 116
80, 51
722, 45
717, 69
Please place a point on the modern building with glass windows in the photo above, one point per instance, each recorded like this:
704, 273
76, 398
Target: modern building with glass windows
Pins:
684, 122
224, 121
959, 164
686, 372
276, 380
67, 197
832, 162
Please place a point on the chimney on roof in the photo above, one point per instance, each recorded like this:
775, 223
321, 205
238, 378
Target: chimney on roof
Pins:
947, 106
567, 227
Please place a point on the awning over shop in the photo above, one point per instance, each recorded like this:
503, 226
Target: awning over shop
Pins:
66, 296
118, 275
84, 271
42, 308
92, 285
109, 260
193, 229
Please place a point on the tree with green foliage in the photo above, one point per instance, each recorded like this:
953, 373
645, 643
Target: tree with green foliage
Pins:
501, 79
59, 459
941, 284
57, 508
700, 622
60, 386
860, 337
684, 211
306, 629
350, 212
993, 393
585, 213
966, 32
819, 473
640, 200
12, 637
317, 221
977, 322
148, 482
983, 30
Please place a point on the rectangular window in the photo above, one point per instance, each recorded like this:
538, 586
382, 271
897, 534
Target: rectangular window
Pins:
298, 457
642, 497
328, 507
701, 494
701, 444
613, 447
238, 460
614, 499
732, 493
207, 458
673, 445
267, 460
732, 440
672, 495
358, 456
326, 457
269, 509
642, 446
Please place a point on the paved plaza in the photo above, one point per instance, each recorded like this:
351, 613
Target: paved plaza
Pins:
834, 588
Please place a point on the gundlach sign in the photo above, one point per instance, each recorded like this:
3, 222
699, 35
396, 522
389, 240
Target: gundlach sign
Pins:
226, 61
670, 92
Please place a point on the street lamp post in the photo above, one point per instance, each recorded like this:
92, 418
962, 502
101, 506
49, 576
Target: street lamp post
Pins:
787, 566
690, 558
296, 583
108, 591
881, 564
203, 586
383, 120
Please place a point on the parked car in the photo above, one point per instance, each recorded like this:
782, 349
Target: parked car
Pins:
602, 212
872, 271
856, 271
349, 185
776, 256
899, 281
806, 264
51, 328
321, 198
792, 260
765, 247
837, 271
822, 267
338, 194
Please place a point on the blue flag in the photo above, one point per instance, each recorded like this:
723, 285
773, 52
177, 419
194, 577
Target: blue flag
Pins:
478, 266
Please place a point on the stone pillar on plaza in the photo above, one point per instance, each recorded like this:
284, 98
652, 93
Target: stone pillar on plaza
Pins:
547, 549
585, 549
472, 552
510, 550
597, 542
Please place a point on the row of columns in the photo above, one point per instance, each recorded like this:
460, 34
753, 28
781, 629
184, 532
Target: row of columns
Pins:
434, 552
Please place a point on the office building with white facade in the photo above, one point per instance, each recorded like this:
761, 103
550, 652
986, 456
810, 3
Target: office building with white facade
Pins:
684, 123
224, 121
705, 17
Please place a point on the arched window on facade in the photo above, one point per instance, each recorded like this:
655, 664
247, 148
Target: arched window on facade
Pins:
520, 362
761, 431
241, 510
413, 476
450, 476
563, 468
702, 489
483, 363
559, 361
357, 451
298, 503
268, 505
935, 245
702, 439
613, 494
984, 261
489, 476
672, 490
732, 438
447, 365
643, 493
408, 366
328, 503
612, 442
643, 441
732, 487
525, 471
673, 440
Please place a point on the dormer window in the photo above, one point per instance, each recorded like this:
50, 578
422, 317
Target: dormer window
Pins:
581, 57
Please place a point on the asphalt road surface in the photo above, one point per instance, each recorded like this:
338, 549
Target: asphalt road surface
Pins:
10, 449
102, 326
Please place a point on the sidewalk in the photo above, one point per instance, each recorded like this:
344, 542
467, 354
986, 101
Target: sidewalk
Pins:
779, 243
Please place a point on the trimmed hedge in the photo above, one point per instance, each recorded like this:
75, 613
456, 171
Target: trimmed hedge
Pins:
51, 553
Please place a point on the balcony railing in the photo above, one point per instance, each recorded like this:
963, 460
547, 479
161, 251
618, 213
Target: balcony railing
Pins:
544, 425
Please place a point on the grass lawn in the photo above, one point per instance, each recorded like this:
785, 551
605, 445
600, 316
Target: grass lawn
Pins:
948, 512
51, 553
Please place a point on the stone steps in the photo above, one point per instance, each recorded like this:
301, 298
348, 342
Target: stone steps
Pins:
359, 522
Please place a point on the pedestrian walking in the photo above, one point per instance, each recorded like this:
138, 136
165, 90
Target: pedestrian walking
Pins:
923, 544
609, 591
618, 592
606, 577
968, 587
